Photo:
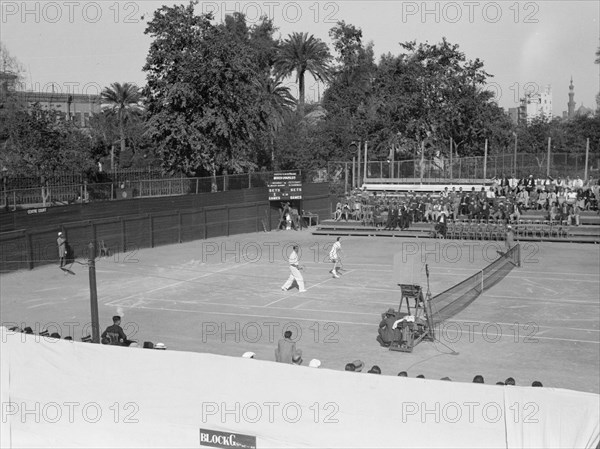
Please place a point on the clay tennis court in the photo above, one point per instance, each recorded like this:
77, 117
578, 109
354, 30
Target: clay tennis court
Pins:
223, 296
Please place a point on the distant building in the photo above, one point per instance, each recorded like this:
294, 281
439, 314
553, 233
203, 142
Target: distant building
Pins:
74, 107
571, 103
538, 105
572, 111
583, 111
513, 113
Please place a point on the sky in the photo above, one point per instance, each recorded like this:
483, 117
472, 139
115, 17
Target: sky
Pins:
84, 46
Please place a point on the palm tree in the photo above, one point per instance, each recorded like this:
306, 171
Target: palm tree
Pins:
123, 100
279, 105
302, 53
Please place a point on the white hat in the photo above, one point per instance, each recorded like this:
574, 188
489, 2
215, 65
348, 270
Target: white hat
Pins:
314, 363
160, 346
248, 355
60, 233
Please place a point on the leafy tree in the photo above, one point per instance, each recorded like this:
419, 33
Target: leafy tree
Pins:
205, 95
597, 61
279, 107
9, 66
38, 144
124, 101
301, 53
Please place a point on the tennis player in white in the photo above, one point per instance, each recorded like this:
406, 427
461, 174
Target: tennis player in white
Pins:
295, 268
334, 256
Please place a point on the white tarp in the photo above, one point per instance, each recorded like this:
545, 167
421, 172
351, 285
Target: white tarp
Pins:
57, 393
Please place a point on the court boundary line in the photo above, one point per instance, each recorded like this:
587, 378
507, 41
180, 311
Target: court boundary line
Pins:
291, 319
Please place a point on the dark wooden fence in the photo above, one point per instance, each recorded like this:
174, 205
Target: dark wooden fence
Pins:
28, 239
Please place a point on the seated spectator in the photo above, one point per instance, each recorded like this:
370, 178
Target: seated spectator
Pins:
358, 365
437, 209
314, 363
375, 370
297, 359
509, 381
69, 338
446, 378
148, 345
553, 214
160, 346
387, 333
478, 379
337, 215
420, 376
542, 200
523, 198
55, 335
581, 199
114, 333
402, 374
536, 383
286, 348
350, 367
514, 212
574, 212
513, 183
248, 355
428, 214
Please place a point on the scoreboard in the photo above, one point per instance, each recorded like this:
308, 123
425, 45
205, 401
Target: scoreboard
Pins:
285, 186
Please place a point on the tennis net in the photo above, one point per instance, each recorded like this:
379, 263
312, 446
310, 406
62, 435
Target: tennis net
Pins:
458, 297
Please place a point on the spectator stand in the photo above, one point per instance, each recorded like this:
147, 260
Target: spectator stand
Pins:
365, 213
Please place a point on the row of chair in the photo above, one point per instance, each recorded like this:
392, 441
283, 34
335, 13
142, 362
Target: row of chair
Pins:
476, 231
496, 230
541, 228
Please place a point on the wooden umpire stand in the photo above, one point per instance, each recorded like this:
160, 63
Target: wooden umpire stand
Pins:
420, 327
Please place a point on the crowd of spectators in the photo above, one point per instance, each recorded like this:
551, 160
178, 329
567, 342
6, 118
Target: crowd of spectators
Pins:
113, 335
504, 200
358, 366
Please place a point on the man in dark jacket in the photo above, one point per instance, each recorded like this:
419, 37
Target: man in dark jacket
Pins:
386, 331
114, 334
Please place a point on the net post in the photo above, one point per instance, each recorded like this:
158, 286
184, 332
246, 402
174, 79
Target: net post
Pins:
481, 281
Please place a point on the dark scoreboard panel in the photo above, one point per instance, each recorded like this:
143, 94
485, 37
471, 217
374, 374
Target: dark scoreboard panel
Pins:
285, 186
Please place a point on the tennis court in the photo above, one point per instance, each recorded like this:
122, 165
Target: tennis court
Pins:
223, 296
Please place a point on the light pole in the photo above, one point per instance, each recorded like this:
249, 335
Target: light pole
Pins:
515, 155
93, 294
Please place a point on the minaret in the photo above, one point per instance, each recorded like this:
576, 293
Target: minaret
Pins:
571, 104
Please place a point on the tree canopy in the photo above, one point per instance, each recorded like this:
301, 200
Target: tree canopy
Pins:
205, 94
